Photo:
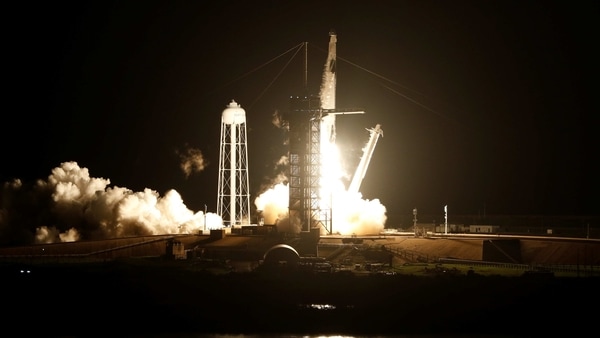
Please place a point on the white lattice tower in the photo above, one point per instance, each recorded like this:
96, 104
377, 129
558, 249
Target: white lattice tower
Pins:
233, 201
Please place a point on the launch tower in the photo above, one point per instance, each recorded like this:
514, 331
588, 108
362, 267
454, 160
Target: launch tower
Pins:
233, 201
304, 121
311, 122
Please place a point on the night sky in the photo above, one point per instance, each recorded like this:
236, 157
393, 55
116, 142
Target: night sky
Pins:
485, 105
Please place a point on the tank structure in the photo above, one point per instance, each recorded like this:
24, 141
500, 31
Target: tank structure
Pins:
233, 200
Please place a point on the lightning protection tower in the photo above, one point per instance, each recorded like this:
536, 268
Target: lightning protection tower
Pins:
233, 202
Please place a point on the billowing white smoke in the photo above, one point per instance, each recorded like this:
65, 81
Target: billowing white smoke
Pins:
71, 206
350, 214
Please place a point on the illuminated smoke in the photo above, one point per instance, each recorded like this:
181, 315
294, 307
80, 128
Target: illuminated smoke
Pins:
276, 119
273, 203
71, 205
192, 161
350, 213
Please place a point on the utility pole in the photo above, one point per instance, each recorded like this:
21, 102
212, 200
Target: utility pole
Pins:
415, 221
205, 217
446, 219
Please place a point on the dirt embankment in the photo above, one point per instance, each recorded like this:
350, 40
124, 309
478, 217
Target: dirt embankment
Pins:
531, 251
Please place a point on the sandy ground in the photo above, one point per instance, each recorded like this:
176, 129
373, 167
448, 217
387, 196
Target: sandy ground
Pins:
411, 249
406, 248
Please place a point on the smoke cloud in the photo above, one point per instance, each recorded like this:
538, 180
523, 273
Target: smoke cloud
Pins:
350, 213
192, 161
71, 205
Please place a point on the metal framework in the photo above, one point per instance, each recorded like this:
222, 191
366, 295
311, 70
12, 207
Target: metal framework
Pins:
311, 121
233, 201
361, 170
304, 121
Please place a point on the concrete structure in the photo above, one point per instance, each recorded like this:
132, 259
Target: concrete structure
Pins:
483, 228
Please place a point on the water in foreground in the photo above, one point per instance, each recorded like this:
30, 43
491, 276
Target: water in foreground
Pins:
122, 299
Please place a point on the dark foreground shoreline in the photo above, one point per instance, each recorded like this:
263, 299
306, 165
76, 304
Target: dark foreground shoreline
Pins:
124, 300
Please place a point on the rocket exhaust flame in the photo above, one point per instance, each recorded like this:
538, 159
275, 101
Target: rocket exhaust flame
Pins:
71, 205
349, 213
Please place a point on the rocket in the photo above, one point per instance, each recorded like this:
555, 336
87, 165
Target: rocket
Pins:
327, 93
